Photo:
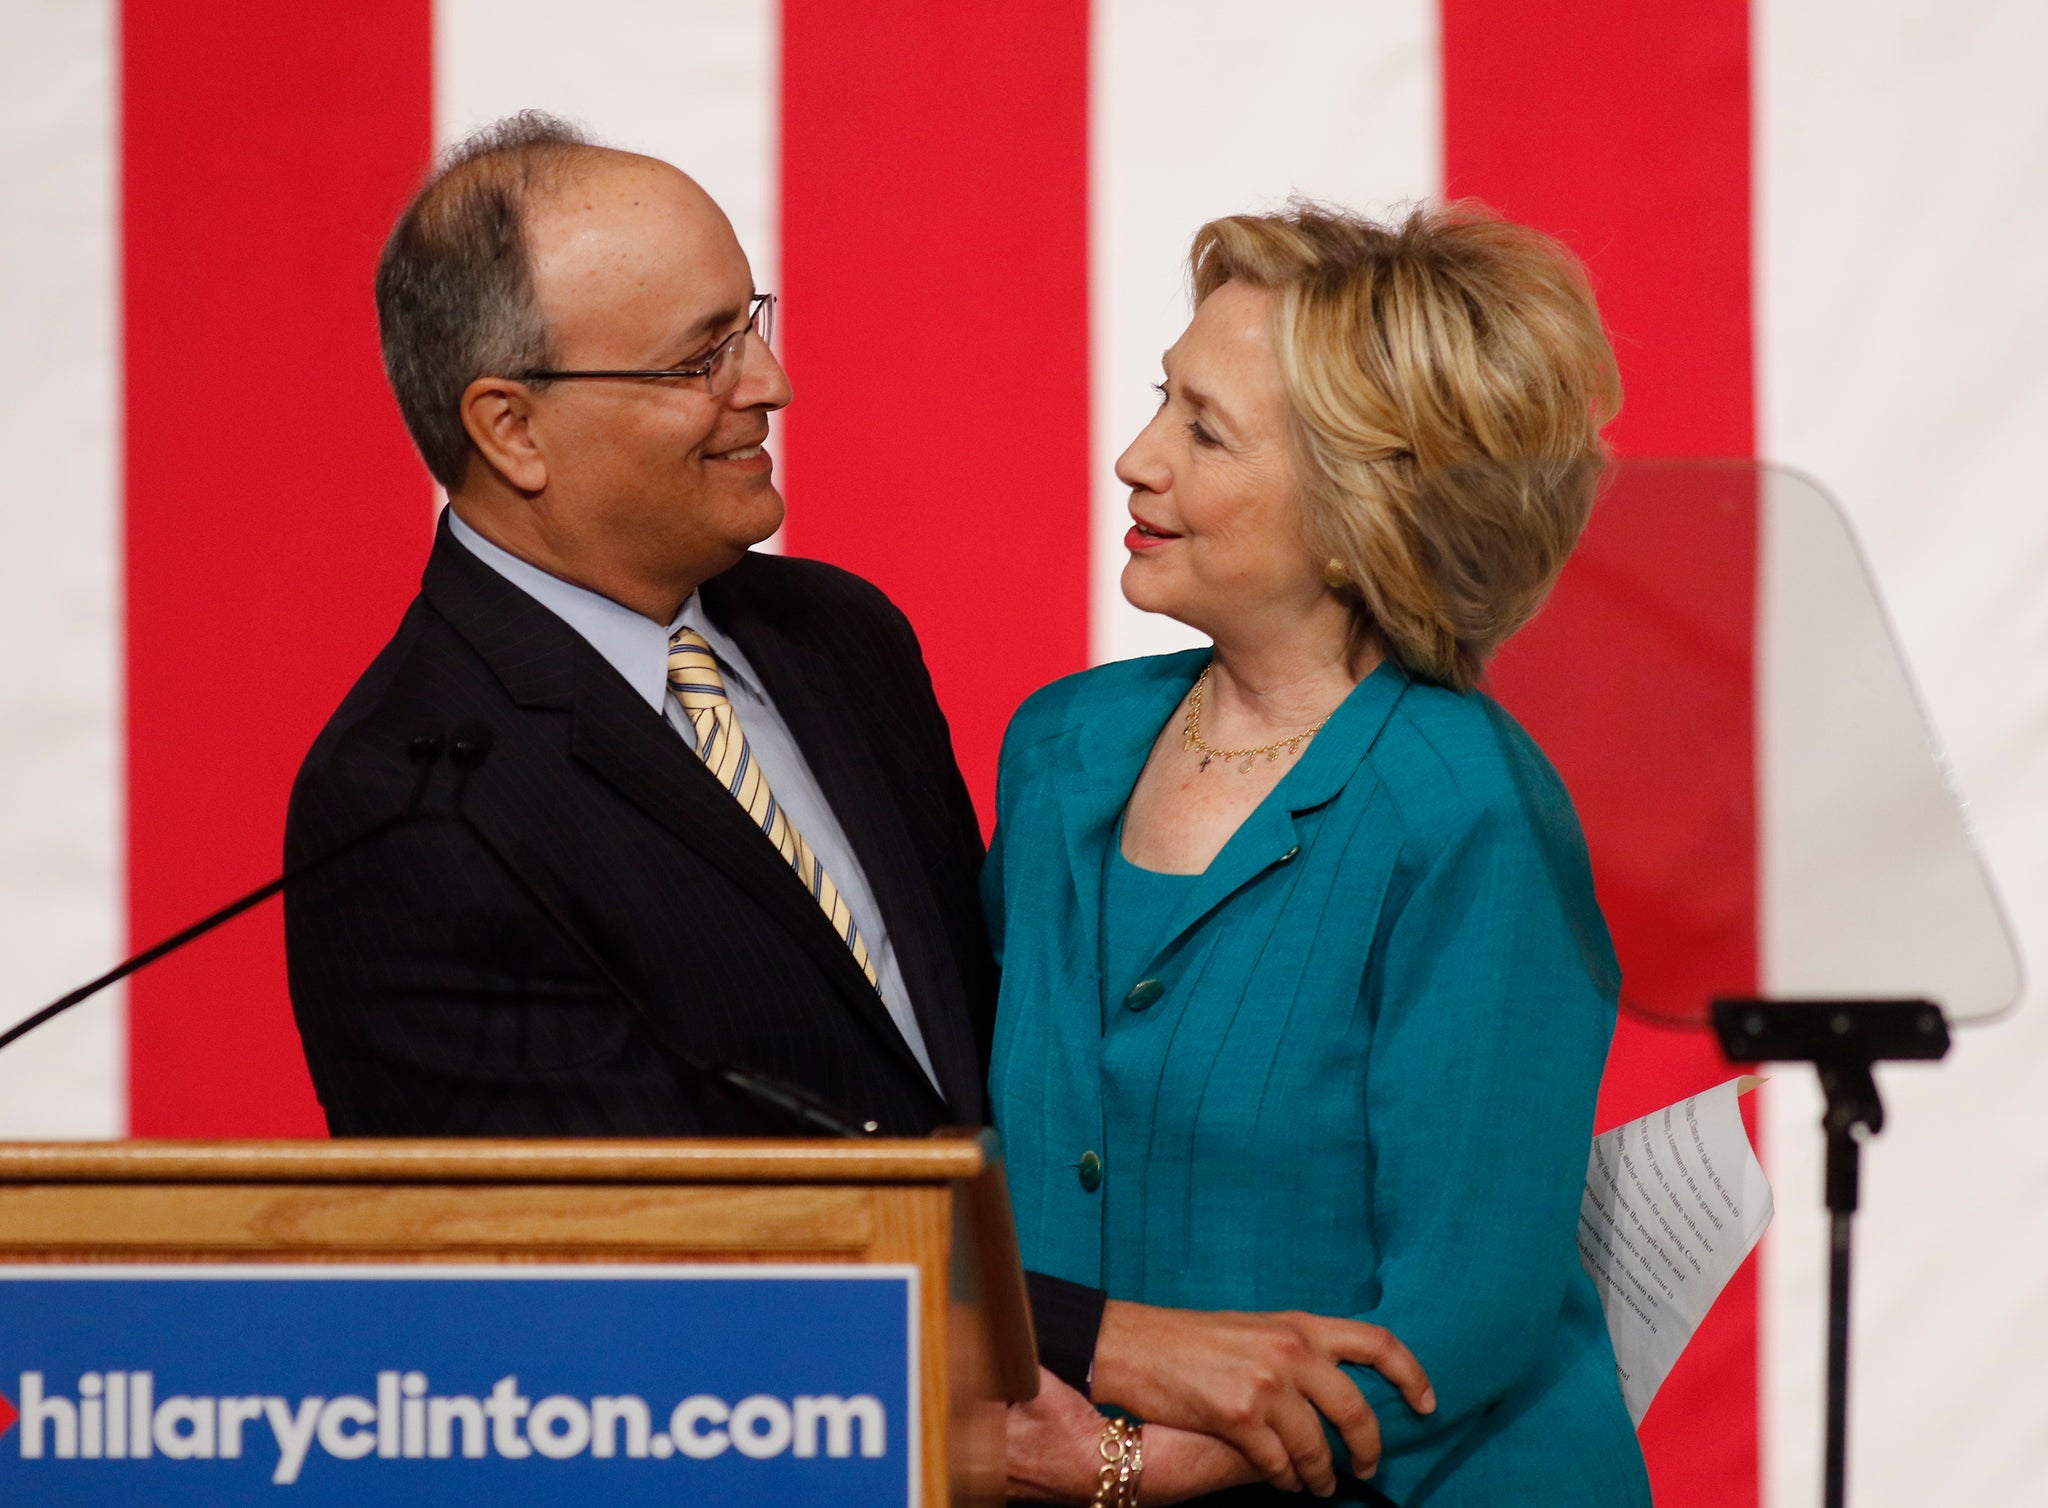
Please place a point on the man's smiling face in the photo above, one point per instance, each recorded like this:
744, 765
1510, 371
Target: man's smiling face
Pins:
635, 268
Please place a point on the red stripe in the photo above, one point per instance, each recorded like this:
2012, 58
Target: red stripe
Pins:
273, 504
935, 257
1626, 129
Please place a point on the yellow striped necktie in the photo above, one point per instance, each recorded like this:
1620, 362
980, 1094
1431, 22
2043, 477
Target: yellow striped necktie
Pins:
694, 680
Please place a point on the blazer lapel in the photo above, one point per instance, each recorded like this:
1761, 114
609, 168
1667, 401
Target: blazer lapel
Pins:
1271, 834
1100, 756
1090, 800
809, 695
542, 662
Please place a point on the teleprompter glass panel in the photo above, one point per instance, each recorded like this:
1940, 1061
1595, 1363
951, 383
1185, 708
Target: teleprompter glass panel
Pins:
1768, 809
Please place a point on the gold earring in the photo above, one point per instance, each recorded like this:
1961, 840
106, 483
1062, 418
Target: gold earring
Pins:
1334, 575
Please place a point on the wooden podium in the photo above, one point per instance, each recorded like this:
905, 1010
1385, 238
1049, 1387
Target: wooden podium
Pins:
937, 1206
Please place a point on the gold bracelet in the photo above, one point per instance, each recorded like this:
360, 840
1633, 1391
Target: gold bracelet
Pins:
1122, 1449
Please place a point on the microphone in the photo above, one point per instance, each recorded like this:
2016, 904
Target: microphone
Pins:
468, 748
424, 751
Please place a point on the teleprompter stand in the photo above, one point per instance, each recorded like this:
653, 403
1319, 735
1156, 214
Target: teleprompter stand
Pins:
1843, 1039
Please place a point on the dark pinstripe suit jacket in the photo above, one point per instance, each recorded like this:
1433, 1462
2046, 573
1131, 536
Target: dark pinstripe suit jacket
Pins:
434, 999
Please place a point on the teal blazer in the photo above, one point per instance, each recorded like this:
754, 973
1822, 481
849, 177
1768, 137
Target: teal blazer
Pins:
1357, 1079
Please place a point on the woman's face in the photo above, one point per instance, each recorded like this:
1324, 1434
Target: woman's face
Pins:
1216, 541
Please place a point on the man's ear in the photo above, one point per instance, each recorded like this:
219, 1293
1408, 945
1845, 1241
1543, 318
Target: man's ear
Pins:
498, 414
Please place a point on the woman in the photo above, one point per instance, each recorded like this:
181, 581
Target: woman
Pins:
1305, 994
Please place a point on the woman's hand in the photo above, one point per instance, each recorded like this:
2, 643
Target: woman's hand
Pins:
1257, 1382
1053, 1451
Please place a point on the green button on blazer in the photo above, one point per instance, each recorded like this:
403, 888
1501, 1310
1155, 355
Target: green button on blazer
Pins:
1365, 1085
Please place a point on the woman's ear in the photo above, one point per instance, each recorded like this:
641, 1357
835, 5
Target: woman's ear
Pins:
498, 415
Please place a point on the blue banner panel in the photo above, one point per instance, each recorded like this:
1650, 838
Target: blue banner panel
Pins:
534, 1386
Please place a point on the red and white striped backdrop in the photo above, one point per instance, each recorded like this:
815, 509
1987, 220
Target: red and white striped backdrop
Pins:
1816, 231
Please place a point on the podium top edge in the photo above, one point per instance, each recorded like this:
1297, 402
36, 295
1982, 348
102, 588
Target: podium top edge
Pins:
949, 1157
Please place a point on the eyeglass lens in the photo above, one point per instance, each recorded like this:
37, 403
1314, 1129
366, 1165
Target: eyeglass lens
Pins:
724, 368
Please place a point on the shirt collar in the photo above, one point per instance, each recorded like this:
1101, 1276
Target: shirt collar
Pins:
633, 645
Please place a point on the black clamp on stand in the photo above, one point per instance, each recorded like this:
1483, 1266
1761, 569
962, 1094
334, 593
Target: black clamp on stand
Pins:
1842, 1039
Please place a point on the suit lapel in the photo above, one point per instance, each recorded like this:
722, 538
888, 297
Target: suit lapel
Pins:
810, 697
542, 662
621, 740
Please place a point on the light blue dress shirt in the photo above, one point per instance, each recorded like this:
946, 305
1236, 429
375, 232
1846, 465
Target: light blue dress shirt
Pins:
637, 648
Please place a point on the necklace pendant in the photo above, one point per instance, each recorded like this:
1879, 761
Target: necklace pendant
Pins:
1245, 768
1205, 762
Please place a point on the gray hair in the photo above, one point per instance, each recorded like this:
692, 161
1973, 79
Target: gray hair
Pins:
455, 297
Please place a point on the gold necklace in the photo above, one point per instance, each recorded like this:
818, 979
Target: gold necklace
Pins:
1191, 734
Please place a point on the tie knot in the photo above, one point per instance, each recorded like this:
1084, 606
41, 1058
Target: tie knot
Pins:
693, 672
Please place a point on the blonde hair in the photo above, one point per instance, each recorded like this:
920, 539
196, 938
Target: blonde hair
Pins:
1449, 378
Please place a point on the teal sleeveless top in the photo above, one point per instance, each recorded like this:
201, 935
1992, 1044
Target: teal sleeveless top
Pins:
1137, 907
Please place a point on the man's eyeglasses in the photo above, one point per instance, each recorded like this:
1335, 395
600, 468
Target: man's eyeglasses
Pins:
720, 370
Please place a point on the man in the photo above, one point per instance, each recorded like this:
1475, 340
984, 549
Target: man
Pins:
585, 514
726, 771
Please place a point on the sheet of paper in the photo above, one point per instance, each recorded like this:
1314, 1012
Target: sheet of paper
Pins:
1673, 1203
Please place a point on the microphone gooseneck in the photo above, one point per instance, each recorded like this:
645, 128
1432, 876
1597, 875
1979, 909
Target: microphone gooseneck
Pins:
466, 749
424, 751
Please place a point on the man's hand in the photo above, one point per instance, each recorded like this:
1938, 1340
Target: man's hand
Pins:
1053, 1453
1256, 1381
1051, 1445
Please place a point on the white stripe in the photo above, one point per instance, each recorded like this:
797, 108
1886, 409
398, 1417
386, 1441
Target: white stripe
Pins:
1195, 114
694, 82
1902, 318
61, 864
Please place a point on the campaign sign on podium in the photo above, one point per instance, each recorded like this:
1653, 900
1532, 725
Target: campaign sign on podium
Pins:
620, 1385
